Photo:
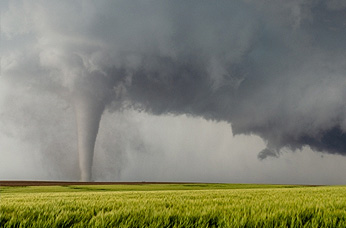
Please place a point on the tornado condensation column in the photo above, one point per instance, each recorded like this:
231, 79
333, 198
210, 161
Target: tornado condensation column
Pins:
88, 112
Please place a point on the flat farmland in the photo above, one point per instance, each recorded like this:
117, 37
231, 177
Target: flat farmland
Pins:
171, 205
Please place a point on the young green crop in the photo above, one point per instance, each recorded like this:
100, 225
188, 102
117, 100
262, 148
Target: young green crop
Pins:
211, 207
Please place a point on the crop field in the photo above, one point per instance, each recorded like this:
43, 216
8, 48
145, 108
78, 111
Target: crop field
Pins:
173, 205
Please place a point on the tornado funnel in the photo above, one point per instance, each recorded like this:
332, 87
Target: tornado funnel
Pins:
88, 110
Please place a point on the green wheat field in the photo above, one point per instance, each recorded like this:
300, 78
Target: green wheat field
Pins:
173, 205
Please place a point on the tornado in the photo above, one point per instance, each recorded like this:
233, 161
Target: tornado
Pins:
88, 111
272, 70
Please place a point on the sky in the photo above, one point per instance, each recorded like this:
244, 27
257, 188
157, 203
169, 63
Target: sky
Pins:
238, 91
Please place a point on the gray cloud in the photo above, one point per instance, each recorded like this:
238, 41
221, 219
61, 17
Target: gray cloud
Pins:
270, 68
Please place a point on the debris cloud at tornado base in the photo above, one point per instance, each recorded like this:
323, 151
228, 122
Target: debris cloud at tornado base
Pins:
276, 70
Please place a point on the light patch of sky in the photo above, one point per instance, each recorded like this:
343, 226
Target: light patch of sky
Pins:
182, 148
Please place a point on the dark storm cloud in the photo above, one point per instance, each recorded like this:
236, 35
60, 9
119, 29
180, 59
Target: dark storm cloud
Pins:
271, 68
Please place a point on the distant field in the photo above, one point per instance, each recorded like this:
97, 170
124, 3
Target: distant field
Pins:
173, 205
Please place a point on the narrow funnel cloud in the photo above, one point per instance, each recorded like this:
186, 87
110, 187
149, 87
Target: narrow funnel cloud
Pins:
89, 101
88, 115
